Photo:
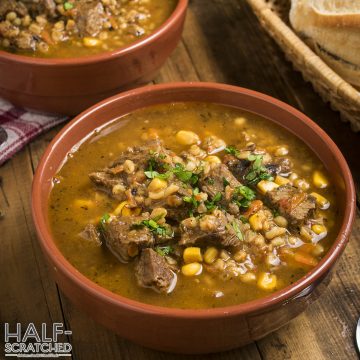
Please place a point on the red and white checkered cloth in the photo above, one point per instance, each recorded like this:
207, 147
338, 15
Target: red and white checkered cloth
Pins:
18, 127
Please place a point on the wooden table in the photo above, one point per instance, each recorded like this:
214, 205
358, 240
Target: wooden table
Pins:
222, 42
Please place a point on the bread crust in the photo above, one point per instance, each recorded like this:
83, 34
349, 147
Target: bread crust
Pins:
335, 38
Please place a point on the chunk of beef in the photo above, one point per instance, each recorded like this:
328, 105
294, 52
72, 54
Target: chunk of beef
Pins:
108, 178
241, 167
152, 271
216, 180
90, 18
218, 228
36, 7
124, 239
279, 165
91, 234
294, 204
7, 6
238, 167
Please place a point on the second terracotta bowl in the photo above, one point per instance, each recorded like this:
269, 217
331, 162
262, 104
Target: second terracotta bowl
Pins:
205, 330
69, 86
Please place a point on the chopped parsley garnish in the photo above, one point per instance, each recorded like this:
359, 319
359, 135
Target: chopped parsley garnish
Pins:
243, 219
155, 228
68, 6
179, 171
192, 201
164, 250
232, 150
242, 196
185, 175
211, 205
257, 171
237, 230
154, 174
154, 167
225, 182
103, 221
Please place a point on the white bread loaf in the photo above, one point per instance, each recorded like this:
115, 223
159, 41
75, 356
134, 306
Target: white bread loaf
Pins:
332, 29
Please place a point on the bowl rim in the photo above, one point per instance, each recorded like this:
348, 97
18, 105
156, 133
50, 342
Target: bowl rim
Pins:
175, 16
255, 306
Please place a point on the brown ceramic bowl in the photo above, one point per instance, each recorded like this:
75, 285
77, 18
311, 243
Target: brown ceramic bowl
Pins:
69, 86
191, 331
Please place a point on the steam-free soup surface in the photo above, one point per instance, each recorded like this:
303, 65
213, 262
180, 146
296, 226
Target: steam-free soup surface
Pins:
275, 206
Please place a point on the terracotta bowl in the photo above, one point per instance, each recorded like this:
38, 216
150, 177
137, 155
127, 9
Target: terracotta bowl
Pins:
191, 331
69, 86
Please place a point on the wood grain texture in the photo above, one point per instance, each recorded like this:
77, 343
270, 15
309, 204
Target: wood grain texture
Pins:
222, 42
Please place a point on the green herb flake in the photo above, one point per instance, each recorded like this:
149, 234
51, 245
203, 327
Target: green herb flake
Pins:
211, 205
257, 171
243, 196
237, 230
232, 150
225, 182
185, 175
68, 6
164, 250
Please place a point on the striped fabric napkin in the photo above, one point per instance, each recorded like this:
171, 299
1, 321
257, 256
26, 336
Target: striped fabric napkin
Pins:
19, 126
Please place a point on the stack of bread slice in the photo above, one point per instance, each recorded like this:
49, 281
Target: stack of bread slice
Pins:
332, 29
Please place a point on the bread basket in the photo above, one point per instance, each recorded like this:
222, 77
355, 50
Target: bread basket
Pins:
273, 15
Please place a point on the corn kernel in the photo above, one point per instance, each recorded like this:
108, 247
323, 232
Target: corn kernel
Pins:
255, 222
157, 185
320, 180
118, 210
191, 269
267, 281
213, 159
321, 201
91, 42
281, 151
280, 180
301, 184
248, 277
192, 254
184, 137
306, 234
211, 254
264, 186
318, 229
318, 250
240, 121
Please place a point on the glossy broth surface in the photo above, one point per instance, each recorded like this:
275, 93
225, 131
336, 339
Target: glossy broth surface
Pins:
68, 218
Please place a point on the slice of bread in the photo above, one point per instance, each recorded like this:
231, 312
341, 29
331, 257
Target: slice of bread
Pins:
332, 29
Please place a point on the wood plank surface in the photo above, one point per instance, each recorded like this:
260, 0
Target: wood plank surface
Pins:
222, 42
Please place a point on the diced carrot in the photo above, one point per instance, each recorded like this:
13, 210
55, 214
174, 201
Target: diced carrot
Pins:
254, 207
46, 37
305, 259
307, 248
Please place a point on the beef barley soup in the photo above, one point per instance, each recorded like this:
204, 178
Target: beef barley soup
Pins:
193, 205
73, 28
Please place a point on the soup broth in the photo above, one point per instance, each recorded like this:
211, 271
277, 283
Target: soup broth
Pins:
262, 247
